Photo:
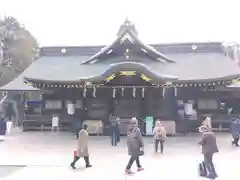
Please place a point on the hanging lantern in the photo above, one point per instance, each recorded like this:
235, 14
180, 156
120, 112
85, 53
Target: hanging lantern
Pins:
143, 92
114, 93
134, 92
94, 92
175, 92
84, 92
163, 92
122, 92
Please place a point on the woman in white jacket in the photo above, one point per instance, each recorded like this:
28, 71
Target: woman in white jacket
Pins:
159, 136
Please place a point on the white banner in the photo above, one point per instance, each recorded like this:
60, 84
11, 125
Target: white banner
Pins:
71, 108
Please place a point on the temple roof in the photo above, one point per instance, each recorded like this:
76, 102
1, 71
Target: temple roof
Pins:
203, 65
188, 67
178, 63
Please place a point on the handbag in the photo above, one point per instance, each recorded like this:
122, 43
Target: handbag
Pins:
74, 154
141, 153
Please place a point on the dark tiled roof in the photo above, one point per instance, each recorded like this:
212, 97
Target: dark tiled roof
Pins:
201, 66
163, 48
206, 62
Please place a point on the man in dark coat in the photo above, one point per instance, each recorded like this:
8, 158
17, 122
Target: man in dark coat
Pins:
10, 112
114, 130
3, 128
209, 148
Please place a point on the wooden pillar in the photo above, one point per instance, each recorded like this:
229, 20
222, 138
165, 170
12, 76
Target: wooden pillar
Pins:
170, 103
84, 99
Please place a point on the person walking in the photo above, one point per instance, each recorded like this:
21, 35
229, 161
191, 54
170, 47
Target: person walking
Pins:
118, 130
82, 148
235, 130
114, 130
135, 146
209, 148
3, 128
160, 136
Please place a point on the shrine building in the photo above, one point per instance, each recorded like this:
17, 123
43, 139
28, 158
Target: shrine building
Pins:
176, 82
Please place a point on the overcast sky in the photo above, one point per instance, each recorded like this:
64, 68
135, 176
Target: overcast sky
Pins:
94, 22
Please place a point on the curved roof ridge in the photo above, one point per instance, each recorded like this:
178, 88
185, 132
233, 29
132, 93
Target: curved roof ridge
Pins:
127, 30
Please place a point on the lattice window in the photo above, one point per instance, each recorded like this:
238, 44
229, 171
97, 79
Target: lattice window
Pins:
53, 104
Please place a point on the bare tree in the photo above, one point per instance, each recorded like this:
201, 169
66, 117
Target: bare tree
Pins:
18, 49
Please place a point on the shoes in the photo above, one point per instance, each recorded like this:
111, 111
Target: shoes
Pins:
210, 176
128, 171
88, 166
72, 166
140, 169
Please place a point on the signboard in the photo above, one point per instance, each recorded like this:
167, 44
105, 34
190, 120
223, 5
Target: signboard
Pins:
127, 73
149, 125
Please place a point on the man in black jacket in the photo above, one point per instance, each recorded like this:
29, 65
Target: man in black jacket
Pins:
114, 130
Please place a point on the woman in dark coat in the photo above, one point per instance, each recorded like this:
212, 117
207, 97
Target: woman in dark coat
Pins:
134, 145
3, 128
209, 148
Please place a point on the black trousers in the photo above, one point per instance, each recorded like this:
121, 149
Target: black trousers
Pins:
235, 141
114, 139
208, 160
86, 159
131, 161
157, 142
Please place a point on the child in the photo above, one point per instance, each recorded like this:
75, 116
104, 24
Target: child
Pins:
159, 136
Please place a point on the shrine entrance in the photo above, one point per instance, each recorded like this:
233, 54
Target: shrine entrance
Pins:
134, 95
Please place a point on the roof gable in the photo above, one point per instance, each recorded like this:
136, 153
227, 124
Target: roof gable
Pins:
126, 44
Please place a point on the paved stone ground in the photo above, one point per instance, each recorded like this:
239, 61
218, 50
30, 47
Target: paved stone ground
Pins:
45, 155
